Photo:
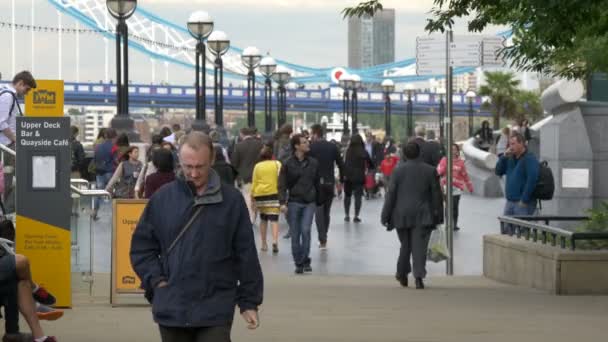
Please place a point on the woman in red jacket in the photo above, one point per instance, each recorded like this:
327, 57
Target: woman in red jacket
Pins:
460, 180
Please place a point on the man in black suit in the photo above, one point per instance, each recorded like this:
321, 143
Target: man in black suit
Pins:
414, 207
430, 150
328, 156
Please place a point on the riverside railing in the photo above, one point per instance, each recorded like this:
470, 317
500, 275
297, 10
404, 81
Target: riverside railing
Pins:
527, 227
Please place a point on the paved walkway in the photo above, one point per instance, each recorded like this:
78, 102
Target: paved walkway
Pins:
368, 308
365, 248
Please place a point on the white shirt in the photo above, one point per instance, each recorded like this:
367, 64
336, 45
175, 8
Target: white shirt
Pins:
8, 120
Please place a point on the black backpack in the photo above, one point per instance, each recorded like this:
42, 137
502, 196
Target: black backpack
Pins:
545, 186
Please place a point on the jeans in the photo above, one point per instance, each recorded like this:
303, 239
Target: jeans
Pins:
514, 209
299, 216
101, 182
204, 334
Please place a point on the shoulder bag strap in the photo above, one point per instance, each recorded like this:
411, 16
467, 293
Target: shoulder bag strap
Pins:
184, 229
15, 102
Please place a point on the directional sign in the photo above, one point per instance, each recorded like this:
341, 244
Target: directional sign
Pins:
465, 54
491, 47
465, 51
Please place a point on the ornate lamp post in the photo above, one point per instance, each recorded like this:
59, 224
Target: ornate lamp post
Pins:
251, 58
470, 95
282, 77
121, 10
356, 84
345, 83
388, 86
267, 66
218, 43
200, 25
409, 88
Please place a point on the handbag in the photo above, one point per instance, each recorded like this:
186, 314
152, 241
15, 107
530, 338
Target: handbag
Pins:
149, 293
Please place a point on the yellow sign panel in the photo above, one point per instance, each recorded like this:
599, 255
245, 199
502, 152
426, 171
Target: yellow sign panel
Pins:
48, 249
46, 99
126, 217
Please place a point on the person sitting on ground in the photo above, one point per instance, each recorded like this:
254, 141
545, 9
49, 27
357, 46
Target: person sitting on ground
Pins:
165, 171
16, 268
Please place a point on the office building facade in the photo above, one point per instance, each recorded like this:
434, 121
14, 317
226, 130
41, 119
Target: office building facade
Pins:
371, 40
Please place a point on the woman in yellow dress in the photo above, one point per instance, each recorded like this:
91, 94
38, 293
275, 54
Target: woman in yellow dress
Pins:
265, 195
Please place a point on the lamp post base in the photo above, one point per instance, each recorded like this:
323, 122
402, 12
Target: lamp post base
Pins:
124, 124
201, 126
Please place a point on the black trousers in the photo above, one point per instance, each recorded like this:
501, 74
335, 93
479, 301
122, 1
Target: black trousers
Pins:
455, 211
205, 334
349, 190
414, 243
322, 217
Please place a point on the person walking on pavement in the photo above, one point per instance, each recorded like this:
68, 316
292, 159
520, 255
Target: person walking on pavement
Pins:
22, 83
430, 150
460, 180
298, 196
122, 183
328, 157
195, 253
244, 157
265, 196
357, 160
104, 165
413, 207
521, 168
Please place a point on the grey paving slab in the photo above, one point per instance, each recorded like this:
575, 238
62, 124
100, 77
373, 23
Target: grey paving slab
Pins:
354, 249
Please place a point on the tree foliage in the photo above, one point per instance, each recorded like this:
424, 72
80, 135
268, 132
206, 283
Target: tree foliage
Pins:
500, 88
565, 38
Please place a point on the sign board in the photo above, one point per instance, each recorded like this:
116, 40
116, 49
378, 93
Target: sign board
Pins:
465, 54
126, 216
491, 51
46, 100
575, 178
43, 202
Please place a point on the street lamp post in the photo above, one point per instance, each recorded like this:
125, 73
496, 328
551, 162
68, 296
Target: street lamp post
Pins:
251, 58
218, 43
268, 66
441, 93
121, 10
410, 110
356, 84
470, 95
345, 83
388, 86
200, 25
281, 76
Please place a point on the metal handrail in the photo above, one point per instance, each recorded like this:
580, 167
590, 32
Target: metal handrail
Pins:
7, 150
7, 245
88, 192
518, 225
79, 181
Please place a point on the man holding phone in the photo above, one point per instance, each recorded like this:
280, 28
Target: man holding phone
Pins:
521, 168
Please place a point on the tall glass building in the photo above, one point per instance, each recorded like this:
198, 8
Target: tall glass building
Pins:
371, 41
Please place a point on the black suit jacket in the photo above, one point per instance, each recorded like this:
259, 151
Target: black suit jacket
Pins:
430, 151
414, 197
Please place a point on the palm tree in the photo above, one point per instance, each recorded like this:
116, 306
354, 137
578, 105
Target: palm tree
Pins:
500, 88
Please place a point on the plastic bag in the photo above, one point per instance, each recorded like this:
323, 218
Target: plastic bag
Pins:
438, 245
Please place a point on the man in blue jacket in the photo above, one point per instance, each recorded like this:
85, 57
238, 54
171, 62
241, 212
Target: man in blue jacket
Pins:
521, 168
214, 264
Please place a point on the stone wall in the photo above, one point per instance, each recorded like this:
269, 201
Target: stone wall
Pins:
532, 264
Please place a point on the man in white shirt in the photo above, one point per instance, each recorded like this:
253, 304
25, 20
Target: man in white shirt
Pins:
9, 110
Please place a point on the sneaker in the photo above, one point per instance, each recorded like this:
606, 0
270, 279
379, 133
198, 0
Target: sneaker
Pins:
46, 313
456, 228
275, 248
299, 270
323, 246
357, 220
347, 219
287, 236
42, 296
307, 268
50, 339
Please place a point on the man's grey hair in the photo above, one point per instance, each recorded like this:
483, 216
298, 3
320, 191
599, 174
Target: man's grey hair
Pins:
197, 140
420, 131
